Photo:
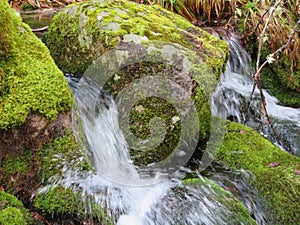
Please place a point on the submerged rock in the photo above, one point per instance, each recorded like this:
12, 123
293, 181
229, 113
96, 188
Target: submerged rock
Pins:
232, 210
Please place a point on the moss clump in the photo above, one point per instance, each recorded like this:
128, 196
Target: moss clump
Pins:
59, 201
238, 214
244, 148
17, 164
11, 216
30, 80
63, 153
272, 83
82, 32
12, 211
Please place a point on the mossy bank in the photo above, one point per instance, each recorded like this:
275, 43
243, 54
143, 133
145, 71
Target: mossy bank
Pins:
275, 172
36, 137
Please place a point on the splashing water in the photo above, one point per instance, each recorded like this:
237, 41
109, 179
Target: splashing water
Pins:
129, 197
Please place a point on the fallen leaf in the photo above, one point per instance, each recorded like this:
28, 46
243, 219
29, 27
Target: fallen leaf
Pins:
273, 164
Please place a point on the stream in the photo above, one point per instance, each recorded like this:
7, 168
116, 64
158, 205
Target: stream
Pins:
131, 197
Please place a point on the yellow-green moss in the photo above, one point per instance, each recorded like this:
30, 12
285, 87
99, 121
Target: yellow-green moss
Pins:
238, 214
244, 148
63, 153
11, 216
84, 31
59, 201
30, 80
12, 211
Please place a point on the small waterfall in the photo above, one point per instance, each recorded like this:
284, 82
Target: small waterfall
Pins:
129, 197
232, 96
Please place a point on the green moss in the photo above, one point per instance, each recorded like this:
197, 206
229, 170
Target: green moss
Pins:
244, 148
11, 216
272, 83
63, 153
31, 81
60, 201
12, 211
238, 214
17, 164
83, 32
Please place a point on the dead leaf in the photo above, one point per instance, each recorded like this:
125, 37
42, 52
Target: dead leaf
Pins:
273, 164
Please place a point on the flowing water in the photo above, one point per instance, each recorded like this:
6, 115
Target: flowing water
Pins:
232, 97
132, 197
129, 196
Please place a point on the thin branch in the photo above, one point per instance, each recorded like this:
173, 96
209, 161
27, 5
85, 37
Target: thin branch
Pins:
283, 47
261, 19
262, 34
257, 82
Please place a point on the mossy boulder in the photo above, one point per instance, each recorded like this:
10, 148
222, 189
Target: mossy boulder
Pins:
83, 32
236, 212
276, 173
30, 80
12, 211
35, 102
131, 42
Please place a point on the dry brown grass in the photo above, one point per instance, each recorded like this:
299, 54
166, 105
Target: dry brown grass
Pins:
279, 27
198, 9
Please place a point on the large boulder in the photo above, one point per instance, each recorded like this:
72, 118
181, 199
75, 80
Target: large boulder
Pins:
120, 43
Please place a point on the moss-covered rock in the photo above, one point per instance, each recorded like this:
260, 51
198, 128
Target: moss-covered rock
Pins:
148, 41
12, 211
237, 213
30, 80
276, 172
83, 32
36, 136
59, 202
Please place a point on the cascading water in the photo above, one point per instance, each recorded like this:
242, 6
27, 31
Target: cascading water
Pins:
232, 97
128, 197
132, 198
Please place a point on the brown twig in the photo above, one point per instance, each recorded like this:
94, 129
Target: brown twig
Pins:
262, 34
257, 82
